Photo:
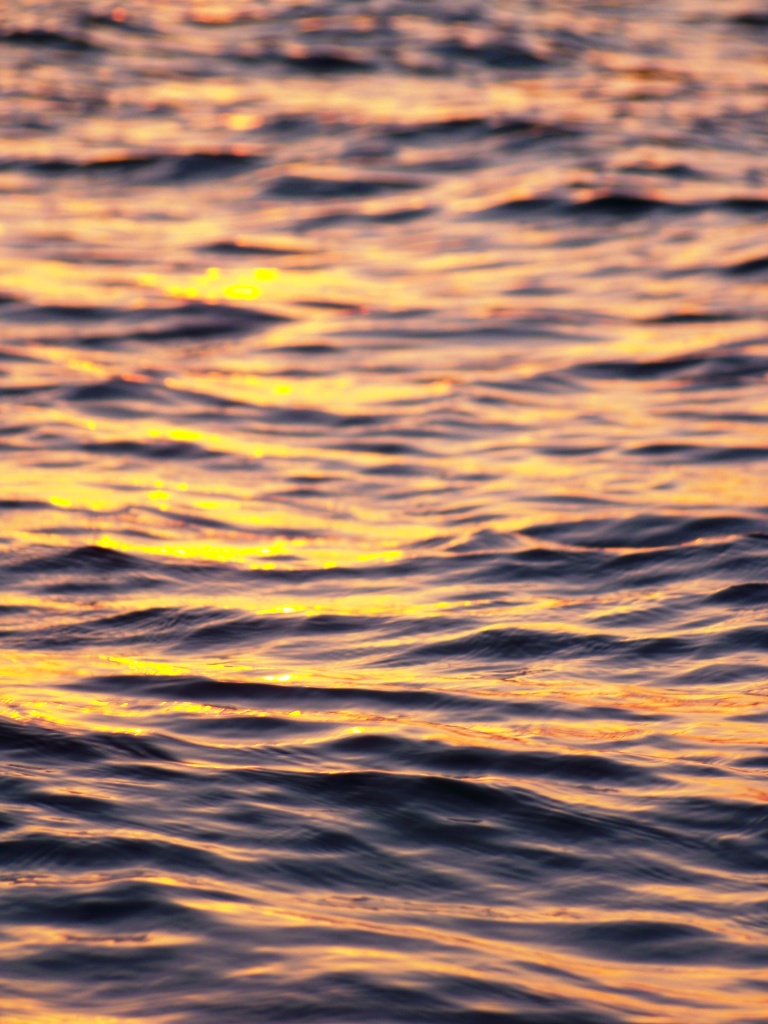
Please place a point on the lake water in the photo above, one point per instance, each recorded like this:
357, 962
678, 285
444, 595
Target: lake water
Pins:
384, 549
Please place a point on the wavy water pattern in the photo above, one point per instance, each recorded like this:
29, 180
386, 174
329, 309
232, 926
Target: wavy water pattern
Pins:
384, 550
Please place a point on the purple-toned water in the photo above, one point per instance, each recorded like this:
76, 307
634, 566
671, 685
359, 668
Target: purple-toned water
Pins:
384, 513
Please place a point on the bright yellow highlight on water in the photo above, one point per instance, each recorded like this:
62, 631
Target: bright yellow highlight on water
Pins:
213, 286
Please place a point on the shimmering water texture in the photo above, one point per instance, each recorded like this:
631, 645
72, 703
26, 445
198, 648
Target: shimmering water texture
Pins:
384, 512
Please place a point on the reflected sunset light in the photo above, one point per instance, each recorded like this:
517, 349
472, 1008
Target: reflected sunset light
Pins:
384, 513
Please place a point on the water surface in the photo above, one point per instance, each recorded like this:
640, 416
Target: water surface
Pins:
384, 521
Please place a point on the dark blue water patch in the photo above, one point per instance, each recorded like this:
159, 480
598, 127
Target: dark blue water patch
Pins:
552, 382
691, 453
745, 640
719, 673
373, 869
669, 613
14, 505
514, 836
156, 169
732, 840
627, 370
301, 418
423, 999
511, 644
120, 905
745, 205
207, 522
243, 248
524, 134
502, 53
757, 762
653, 567
15, 610
662, 649
308, 349
645, 531
387, 447
100, 968
106, 165
411, 799
432, 757
297, 186
325, 623
486, 541
612, 207
301, 493
173, 972
198, 167
231, 632
540, 1007
10, 356
620, 205
353, 216
39, 37
293, 126
40, 744
663, 942
154, 451
38, 851
753, 19
91, 559
572, 451
746, 267
716, 818
122, 398
545, 565
428, 854
703, 369
181, 628
72, 805
394, 469
182, 321
741, 595
685, 317
96, 569
329, 60
250, 728
426, 133
38, 394
28, 740
370, 844
191, 321
455, 130
33, 312
677, 169
240, 630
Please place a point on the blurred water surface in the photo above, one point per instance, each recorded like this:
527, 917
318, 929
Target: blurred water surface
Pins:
384, 520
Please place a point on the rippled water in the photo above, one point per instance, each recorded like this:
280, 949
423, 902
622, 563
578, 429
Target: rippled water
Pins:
384, 512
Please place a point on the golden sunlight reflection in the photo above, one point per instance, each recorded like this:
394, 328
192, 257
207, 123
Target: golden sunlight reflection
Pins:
383, 579
700, 721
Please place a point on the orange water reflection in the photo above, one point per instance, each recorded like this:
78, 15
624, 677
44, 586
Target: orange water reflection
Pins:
293, 366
